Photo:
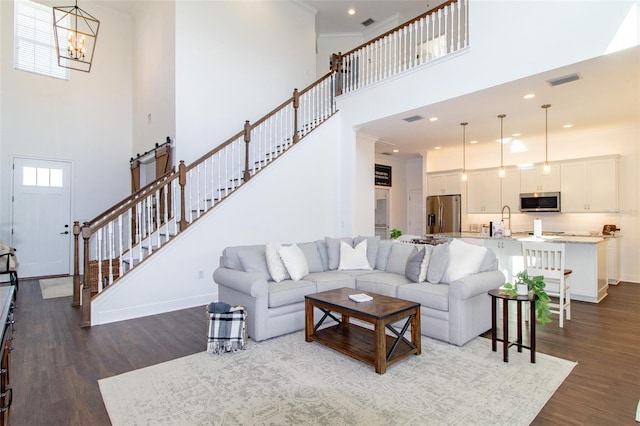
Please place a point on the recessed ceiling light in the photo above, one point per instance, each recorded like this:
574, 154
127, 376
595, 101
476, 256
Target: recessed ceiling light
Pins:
529, 96
433, 119
351, 11
568, 126
437, 147
396, 150
515, 135
473, 142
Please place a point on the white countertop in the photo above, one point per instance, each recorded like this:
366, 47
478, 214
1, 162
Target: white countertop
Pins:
576, 239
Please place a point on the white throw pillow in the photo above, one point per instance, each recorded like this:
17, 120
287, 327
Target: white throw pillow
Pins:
294, 260
353, 257
464, 259
274, 263
422, 276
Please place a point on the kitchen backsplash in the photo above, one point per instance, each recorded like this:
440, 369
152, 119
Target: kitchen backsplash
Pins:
571, 223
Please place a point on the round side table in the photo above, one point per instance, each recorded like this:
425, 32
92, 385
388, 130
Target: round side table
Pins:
498, 294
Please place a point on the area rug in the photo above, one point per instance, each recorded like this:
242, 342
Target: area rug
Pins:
287, 381
56, 287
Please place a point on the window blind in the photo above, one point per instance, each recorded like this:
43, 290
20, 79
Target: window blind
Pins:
35, 49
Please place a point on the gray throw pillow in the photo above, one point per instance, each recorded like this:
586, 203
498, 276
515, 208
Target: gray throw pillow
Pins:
384, 250
438, 263
412, 270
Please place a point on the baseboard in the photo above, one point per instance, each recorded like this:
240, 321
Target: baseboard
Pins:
131, 312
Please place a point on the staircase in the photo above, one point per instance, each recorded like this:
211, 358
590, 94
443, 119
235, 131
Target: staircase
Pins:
130, 232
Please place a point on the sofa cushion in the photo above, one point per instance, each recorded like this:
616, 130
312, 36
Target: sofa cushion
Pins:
253, 259
331, 280
312, 254
438, 263
287, 292
435, 296
333, 251
384, 250
324, 256
384, 283
353, 257
464, 259
293, 258
373, 243
274, 263
398, 257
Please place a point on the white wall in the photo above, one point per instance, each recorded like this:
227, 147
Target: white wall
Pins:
236, 61
273, 206
86, 120
154, 90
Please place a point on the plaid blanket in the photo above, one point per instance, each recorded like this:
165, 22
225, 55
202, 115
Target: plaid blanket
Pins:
227, 331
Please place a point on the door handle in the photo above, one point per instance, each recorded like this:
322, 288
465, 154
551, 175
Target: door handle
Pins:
64, 233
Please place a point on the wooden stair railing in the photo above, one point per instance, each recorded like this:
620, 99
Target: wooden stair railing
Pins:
129, 232
126, 234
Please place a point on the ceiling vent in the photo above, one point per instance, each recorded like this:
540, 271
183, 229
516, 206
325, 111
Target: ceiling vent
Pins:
387, 153
413, 118
562, 80
368, 22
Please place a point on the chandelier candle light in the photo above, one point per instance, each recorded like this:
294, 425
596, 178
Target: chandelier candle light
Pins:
75, 33
546, 168
501, 171
464, 156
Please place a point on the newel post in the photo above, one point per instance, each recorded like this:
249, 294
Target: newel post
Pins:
296, 105
76, 264
247, 140
86, 287
182, 181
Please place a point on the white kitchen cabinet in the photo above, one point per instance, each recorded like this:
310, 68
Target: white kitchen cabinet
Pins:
447, 183
509, 254
510, 190
483, 192
590, 186
534, 180
613, 260
588, 264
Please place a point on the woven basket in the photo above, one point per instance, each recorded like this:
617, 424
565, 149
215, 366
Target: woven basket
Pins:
92, 274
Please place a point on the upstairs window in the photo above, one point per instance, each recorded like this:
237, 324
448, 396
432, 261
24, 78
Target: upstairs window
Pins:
35, 48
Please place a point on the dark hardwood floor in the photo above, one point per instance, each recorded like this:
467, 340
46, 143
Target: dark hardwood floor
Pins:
55, 364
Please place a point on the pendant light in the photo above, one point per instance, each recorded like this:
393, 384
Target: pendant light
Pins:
546, 168
464, 154
75, 33
501, 171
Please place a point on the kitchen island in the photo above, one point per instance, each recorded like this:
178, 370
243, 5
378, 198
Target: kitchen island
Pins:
586, 256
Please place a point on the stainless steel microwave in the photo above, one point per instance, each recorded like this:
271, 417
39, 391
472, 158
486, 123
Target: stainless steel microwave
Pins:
540, 202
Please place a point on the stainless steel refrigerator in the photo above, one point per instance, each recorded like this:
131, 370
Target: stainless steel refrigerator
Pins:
443, 214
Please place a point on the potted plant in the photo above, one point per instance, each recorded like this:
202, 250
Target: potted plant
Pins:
395, 233
535, 286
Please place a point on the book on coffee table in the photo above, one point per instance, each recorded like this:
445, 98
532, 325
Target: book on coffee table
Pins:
360, 297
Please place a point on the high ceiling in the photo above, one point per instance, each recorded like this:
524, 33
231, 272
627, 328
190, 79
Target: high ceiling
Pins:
607, 92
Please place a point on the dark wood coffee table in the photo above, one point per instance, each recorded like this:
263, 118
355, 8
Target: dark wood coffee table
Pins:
364, 344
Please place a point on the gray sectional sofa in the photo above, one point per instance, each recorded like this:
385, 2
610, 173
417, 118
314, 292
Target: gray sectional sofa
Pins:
450, 281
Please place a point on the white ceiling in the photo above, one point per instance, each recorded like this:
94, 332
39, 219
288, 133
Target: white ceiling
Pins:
607, 92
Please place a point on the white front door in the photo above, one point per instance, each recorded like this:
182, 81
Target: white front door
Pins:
41, 228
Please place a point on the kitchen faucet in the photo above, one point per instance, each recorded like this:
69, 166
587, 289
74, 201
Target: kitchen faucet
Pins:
502, 218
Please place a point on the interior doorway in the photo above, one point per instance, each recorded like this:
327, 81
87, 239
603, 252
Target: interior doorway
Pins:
382, 213
41, 230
